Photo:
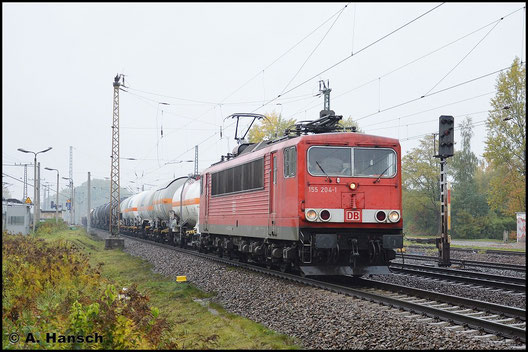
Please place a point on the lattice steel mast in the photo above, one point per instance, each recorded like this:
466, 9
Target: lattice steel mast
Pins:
114, 169
72, 213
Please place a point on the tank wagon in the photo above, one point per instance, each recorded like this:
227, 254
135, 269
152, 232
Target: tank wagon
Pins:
319, 201
166, 214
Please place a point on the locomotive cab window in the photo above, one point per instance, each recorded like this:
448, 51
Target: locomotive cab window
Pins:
351, 162
290, 162
331, 161
373, 162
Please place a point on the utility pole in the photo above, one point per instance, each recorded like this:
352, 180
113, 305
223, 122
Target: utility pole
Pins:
35, 204
445, 150
72, 220
25, 182
88, 223
25, 179
37, 208
195, 160
114, 242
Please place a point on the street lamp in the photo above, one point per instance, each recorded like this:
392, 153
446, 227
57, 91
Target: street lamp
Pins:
57, 200
71, 199
36, 205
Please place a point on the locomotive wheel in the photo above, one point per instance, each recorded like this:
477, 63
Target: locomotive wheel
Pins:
284, 267
269, 264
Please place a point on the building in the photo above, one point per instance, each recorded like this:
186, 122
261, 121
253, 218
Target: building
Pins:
16, 216
50, 214
521, 227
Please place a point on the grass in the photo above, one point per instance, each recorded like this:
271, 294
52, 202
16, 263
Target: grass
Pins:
407, 242
193, 326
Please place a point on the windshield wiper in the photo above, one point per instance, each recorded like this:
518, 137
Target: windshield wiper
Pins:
388, 167
327, 177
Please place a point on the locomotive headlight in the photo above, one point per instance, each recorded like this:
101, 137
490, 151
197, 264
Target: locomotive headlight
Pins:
311, 215
394, 216
381, 216
353, 186
325, 215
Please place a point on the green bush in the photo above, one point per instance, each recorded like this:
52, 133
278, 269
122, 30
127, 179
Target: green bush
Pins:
50, 287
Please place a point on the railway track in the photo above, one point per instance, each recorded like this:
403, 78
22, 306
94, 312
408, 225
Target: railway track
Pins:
468, 316
473, 250
469, 277
463, 263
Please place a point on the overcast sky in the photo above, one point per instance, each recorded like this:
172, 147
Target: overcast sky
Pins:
209, 60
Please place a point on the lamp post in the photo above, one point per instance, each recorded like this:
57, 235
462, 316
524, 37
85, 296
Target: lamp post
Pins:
36, 207
57, 200
71, 198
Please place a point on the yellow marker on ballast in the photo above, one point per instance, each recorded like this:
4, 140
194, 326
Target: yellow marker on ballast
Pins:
181, 278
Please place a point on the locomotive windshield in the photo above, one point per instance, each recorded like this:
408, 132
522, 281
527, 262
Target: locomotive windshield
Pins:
346, 161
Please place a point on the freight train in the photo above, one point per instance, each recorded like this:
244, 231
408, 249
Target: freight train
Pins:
319, 201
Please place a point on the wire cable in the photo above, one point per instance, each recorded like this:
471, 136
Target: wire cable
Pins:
351, 55
313, 51
428, 95
480, 41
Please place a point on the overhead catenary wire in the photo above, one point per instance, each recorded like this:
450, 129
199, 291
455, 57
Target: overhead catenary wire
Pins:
231, 124
281, 56
413, 61
401, 104
422, 122
431, 109
313, 51
351, 55
431, 94
30, 185
480, 41
364, 48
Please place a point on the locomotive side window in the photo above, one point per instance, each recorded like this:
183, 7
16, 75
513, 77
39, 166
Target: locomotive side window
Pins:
331, 161
290, 162
241, 178
373, 162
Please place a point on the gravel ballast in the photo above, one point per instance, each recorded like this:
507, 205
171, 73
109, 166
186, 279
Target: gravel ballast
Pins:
319, 319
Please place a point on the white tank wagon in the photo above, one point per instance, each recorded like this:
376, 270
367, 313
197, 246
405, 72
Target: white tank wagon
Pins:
162, 202
145, 207
186, 205
129, 211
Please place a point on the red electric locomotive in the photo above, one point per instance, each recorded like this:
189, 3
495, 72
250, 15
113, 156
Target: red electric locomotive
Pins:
319, 201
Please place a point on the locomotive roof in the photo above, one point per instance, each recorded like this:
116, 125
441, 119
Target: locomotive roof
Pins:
353, 139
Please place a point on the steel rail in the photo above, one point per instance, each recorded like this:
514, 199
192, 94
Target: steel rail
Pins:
472, 250
464, 262
453, 317
518, 285
437, 296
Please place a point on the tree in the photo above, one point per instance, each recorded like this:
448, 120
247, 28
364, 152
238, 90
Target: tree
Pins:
421, 193
349, 122
506, 141
468, 203
270, 128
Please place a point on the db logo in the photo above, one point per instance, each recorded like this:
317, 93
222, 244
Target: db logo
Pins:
353, 215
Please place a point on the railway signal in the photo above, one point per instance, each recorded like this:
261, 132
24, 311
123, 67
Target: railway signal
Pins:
446, 136
446, 141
